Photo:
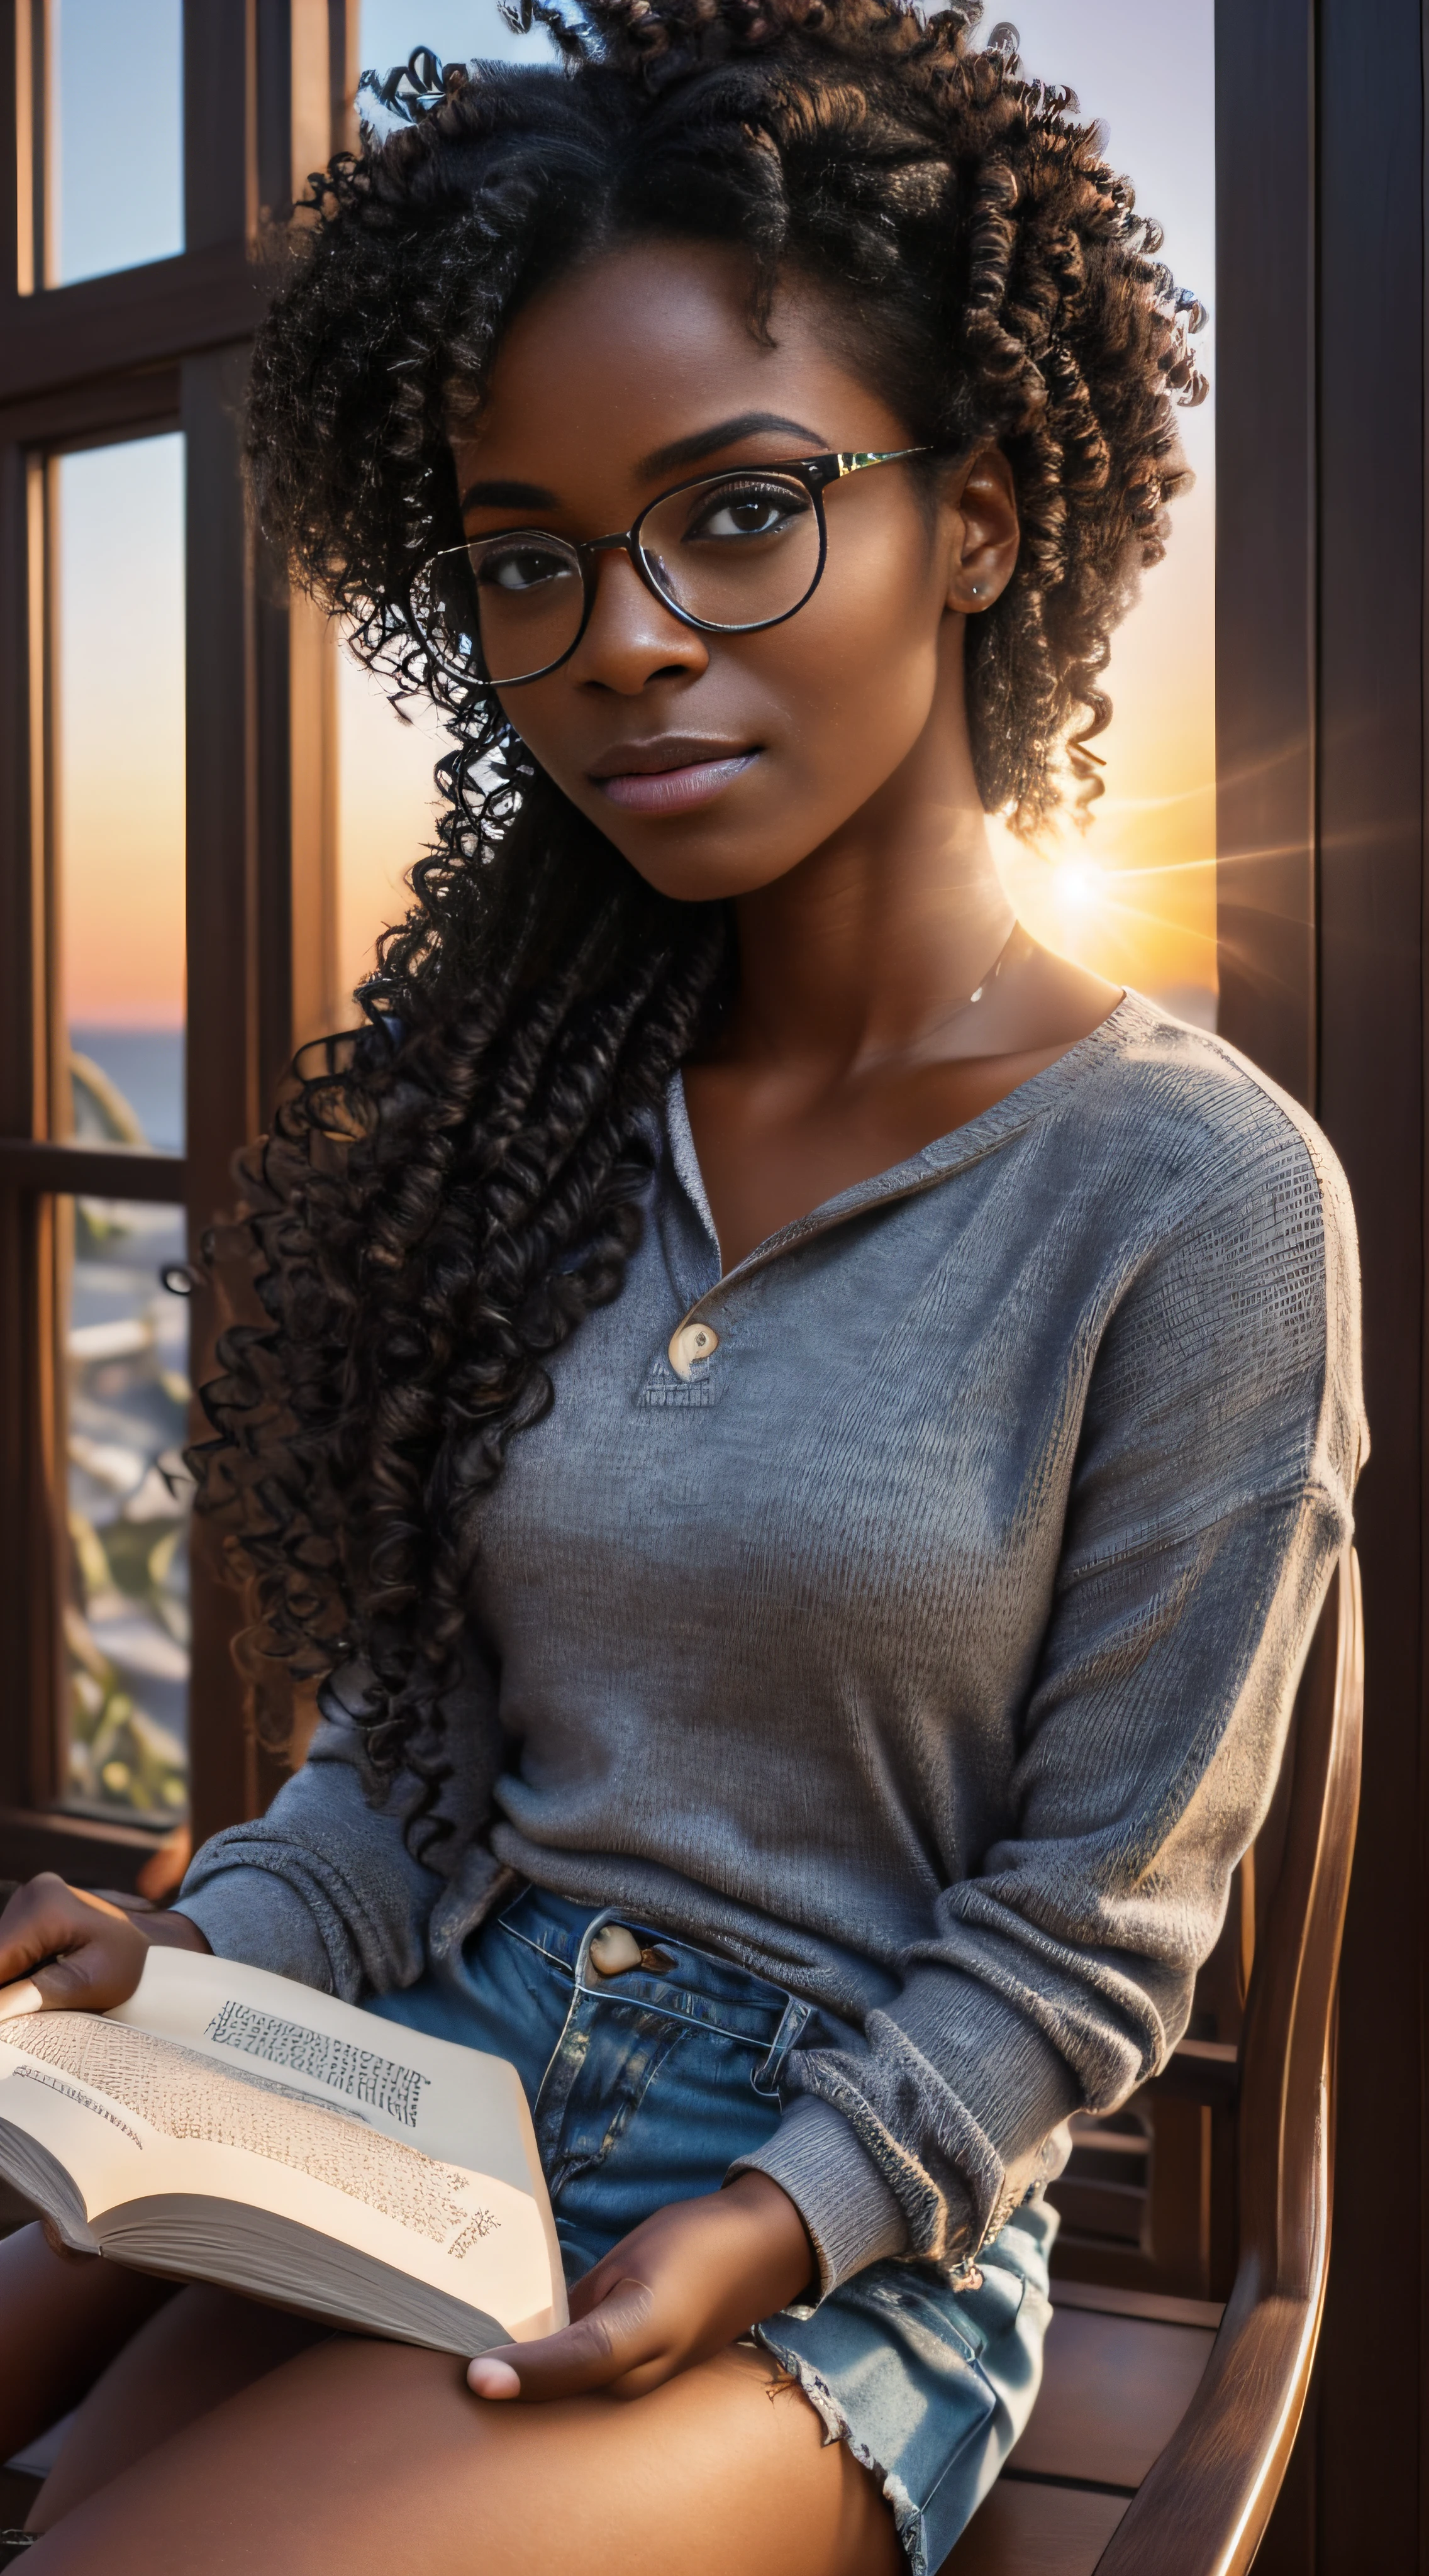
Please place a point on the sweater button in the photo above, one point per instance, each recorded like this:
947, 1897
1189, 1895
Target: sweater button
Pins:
692, 1342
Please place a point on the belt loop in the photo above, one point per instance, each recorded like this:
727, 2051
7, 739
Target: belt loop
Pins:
765, 2078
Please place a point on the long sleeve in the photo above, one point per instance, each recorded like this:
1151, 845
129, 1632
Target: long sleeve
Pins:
1219, 1445
323, 1888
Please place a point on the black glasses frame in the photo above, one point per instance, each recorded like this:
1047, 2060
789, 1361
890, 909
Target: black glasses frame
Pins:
815, 473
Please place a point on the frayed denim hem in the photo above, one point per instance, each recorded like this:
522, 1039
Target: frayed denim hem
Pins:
907, 2516
929, 2385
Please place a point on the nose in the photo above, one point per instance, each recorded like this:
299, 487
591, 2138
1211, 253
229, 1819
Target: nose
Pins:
631, 638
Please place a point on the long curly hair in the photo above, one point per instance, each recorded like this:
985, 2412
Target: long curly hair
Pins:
447, 1191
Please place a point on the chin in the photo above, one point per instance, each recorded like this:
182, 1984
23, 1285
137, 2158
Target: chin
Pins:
687, 877
704, 858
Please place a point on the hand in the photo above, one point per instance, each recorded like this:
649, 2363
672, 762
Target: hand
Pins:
679, 2287
76, 1953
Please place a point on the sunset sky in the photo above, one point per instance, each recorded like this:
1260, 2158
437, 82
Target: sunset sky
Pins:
1133, 896
120, 733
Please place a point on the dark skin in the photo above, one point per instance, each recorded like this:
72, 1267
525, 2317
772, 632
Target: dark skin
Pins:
842, 818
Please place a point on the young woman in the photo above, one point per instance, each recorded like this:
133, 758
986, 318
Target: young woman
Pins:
805, 1433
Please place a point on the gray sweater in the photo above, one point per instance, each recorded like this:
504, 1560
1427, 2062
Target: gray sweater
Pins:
924, 1639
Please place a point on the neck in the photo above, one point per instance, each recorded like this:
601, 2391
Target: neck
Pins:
874, 941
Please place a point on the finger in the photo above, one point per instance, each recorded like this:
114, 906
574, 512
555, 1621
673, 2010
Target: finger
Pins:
79, 1951
489, 2376
84, 1980
614, 2338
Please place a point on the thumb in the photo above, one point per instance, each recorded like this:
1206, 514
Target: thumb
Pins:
60, 1986
611, 2338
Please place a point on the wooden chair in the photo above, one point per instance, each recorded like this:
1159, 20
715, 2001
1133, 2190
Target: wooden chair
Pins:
1165, 2422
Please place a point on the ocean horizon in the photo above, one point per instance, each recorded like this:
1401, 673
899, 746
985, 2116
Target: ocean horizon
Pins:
147, 1067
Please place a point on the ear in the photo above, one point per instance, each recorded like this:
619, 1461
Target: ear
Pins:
985, 532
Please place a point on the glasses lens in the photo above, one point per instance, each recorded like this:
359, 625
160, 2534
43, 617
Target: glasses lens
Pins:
502, 608
739, 550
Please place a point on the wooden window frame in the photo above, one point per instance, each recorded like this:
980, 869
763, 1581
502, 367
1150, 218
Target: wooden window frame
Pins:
1321, 678
267, 86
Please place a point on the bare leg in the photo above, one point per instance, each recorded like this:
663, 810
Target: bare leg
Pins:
373, 2458
63, 2317
201, 2348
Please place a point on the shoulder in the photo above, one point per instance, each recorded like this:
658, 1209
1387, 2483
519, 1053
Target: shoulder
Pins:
1237, 1226
1187, 1126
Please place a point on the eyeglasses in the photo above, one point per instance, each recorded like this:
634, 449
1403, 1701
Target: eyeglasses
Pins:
727, 554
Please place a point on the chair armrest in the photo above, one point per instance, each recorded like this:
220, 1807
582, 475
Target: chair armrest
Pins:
1203, 2507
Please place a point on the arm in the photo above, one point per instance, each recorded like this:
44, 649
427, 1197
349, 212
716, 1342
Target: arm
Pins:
1221, 1434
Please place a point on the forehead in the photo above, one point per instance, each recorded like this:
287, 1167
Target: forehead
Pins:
650, 343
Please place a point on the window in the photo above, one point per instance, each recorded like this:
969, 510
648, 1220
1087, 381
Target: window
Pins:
166, 856
116, 536
115, 689
1134, 895
113, 73
387, 803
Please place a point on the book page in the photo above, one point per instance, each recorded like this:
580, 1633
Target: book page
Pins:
280, 2101
454, 2103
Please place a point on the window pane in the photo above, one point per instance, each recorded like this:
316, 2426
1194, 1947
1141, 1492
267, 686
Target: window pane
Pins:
1134, 897
126, 1621
114, 147
386, 804
119, 785
457, 31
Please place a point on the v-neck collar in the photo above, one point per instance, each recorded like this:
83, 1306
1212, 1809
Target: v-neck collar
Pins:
936, 1161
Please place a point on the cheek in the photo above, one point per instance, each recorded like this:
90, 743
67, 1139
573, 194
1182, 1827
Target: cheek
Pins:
856, 672
838, 696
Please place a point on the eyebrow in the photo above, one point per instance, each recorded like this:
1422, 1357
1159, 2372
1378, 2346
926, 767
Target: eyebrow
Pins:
707, 442
508, 496
661, 460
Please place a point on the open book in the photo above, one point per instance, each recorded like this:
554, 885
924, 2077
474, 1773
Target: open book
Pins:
227, 2125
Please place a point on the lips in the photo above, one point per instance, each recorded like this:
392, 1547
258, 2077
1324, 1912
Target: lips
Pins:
669, 777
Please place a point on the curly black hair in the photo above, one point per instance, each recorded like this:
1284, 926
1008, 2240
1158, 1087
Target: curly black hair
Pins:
449, 1190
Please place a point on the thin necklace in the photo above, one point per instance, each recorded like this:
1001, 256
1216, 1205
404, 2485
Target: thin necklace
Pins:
984, 988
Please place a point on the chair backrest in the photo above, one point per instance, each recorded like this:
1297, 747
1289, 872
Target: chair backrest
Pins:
1203, 2507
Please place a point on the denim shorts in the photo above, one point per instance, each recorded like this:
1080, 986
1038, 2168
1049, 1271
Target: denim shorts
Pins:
644, 2088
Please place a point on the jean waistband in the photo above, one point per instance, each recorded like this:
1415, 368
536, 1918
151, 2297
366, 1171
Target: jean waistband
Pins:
695, 1986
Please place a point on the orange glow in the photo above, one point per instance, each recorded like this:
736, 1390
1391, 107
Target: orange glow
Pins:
119, 766
1134, 897
1133, 894
386, 807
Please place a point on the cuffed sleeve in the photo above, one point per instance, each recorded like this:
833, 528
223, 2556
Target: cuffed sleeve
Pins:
852, 2217
249, 1913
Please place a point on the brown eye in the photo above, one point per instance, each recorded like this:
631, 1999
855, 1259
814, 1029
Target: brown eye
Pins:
747, 511
521, 568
